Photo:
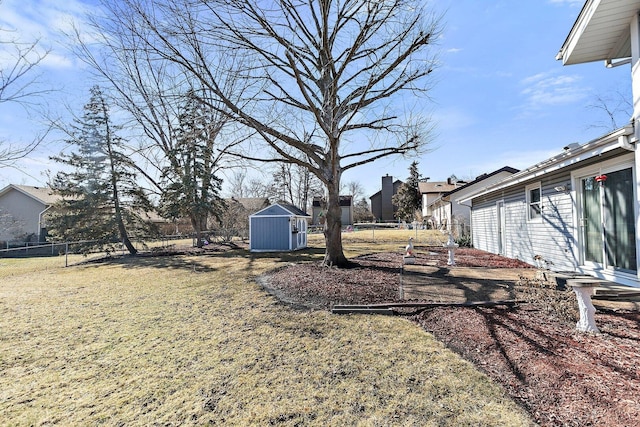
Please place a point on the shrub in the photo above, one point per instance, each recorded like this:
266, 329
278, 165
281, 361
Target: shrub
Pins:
560, 303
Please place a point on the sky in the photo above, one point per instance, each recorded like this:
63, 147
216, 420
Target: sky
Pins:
499, 96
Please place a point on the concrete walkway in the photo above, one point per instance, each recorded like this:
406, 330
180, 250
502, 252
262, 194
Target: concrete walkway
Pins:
460, 284
475, 284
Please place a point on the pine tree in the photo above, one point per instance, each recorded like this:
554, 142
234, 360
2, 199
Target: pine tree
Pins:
101, 201
408, 199
191, 188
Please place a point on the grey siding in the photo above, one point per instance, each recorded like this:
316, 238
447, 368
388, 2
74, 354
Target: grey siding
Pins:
484, 223
552, 237
24, 212
387, 210
270, 234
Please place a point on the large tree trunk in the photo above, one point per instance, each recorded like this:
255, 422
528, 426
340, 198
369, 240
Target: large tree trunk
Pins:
125, 237
333, 228
199, 225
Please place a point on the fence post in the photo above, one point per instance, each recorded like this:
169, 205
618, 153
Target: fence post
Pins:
66, 254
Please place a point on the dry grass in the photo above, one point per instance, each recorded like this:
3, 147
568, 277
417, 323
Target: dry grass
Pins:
191, 340
382, 240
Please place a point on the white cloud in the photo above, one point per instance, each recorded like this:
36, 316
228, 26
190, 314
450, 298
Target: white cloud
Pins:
54, 60
548, 89
43, 20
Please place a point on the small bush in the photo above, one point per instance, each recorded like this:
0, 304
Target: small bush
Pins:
545, 295
464, 241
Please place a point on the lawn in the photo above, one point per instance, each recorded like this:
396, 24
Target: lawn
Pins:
192, 340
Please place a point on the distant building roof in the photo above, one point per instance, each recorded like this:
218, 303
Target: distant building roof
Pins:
436, 187
487, 175
396, 183
42, 194
252, 203
293, 209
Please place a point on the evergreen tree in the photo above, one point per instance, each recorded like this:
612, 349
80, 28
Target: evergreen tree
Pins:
101, 201
191, 189
362, 212
408, 198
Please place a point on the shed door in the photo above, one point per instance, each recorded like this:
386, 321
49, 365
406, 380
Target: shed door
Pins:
608, 221
302, 233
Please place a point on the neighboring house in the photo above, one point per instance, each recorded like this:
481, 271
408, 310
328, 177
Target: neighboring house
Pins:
346, 205
252, 204
233, 221
578, 210
279, 227
448, 210
382, 206
431, 193
23, 211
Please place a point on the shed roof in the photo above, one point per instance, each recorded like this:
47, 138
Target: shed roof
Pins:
282, 209
600, 33
42, 194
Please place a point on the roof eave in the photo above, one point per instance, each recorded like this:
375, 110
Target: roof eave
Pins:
616, 139
600, 32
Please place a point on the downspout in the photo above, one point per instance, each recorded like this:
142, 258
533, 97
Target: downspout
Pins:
40, 221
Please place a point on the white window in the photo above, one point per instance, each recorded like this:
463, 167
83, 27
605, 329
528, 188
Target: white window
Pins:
534, 202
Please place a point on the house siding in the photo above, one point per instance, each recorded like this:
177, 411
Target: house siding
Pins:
552, 236
22, 209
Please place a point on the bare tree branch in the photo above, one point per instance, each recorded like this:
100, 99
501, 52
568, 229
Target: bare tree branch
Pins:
340, 68
19, 84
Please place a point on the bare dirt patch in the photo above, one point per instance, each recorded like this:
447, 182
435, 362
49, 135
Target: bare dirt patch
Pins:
560, 376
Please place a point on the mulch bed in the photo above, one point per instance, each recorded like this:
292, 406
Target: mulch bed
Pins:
560, 376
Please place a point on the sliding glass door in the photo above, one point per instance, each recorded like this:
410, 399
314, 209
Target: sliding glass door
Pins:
608, 220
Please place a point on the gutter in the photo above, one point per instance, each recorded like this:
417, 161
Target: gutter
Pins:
40, 221
620, 138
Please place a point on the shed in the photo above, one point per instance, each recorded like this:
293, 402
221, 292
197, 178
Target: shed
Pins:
278, 227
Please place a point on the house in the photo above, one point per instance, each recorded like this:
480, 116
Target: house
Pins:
578, 210
431, 192
382, 206
278, 227
23, 211
346, 206
251, 204
448, 209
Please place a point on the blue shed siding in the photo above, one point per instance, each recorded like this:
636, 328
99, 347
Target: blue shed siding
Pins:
270, 233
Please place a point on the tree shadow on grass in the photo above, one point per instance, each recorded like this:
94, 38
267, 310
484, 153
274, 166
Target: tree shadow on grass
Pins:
194, 259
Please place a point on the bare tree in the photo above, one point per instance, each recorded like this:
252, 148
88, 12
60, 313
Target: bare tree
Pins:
354, 189
18, 83
294, 184
153, 91
613, 106
328, 81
